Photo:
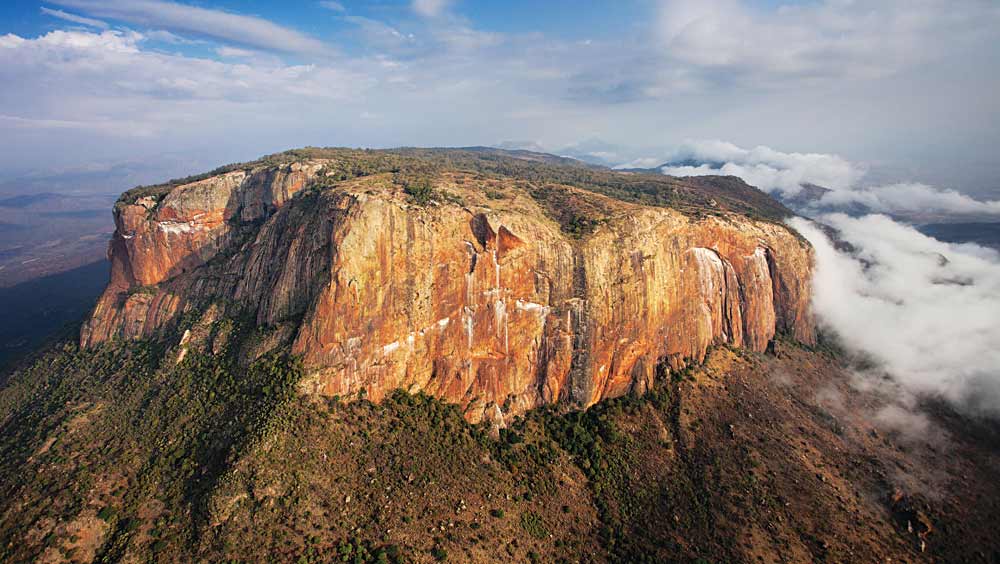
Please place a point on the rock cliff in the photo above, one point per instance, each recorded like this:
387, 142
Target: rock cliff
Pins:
498, 291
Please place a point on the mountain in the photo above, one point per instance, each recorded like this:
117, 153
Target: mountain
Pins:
479, 277
592, 151
596, 151
467, 355
809, 201
809, 196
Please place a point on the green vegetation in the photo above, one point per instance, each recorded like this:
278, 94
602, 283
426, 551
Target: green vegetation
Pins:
162, 453
145, 289
169, 431
216, 458
532, 524
417, 187
540, 173
359, 552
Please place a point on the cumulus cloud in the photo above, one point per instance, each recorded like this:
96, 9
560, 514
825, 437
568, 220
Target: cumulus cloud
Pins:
237, 28
924, 310
74, 18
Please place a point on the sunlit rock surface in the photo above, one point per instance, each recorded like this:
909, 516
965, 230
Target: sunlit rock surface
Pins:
483, 301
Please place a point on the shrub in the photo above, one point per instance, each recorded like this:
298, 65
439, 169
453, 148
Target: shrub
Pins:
106, 513
532, 523
419, 188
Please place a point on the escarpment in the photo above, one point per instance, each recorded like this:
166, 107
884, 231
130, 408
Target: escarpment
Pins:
472, 288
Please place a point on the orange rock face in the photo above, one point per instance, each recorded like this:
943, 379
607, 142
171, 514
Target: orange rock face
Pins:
485, 303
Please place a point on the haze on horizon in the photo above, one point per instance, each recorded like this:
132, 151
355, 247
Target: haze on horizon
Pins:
905, 89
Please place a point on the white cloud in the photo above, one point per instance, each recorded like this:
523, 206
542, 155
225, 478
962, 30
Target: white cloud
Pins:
234, 52
236, 28
784, 173
11, 41
167, 37
926, 311
641, 162
76, 42
380, 34
120, 88
74, 18
912, 198
335, 6
430, 8
763, 167
464, 39
826, 39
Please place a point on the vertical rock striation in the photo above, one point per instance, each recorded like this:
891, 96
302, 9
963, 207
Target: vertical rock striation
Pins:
487, 303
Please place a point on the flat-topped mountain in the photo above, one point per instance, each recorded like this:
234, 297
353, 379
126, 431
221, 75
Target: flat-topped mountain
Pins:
546, 361
498, 280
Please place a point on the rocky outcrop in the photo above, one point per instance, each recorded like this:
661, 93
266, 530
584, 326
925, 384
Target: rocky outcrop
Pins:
485, 302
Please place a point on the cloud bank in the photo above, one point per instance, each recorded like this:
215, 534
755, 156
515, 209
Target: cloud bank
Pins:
784, 175
911, 199
924, 310
766, 168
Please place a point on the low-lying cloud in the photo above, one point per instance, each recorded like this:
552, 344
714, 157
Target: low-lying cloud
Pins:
784, 175
764, 167
925, 311
911, 198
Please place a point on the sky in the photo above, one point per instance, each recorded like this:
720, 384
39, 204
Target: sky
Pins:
905, 89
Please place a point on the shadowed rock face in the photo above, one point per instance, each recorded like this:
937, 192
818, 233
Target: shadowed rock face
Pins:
487, 303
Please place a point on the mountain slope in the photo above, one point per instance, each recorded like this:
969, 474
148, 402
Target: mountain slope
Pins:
121, 454
383, 356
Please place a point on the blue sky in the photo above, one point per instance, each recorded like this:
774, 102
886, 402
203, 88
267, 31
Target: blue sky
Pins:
563, 18
905, 88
